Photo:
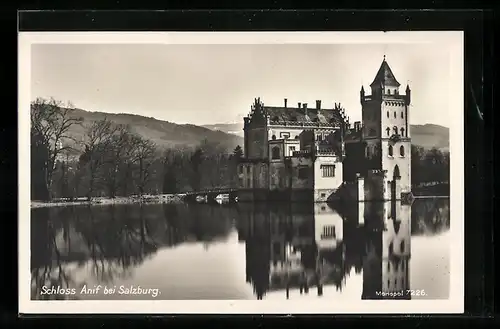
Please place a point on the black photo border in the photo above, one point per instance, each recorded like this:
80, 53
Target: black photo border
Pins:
478, 117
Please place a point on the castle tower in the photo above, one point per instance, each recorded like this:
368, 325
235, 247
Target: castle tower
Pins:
386, 130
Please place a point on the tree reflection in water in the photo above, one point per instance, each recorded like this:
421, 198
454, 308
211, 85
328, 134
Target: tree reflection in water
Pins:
288, 247
110, 241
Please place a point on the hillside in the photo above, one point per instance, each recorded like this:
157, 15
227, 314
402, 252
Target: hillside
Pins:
427, 136
165, 134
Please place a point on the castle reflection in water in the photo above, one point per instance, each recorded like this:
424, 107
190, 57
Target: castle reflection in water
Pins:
289, 248
311, 246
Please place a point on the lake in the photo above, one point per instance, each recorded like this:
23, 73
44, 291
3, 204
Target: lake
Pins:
242, 251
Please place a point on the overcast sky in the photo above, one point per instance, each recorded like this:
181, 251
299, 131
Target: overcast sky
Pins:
203, 84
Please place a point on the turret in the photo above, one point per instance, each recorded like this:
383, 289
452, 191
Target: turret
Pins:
408, 95
362, 95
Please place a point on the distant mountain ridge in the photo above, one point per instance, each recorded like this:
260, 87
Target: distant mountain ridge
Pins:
165, 134
427, 135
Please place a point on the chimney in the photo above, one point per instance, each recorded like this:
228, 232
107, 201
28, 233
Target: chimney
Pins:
300, 105
305, 108
285, 102
357, 126
318, 104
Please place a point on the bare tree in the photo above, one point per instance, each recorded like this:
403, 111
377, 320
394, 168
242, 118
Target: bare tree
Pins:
51, 121
119, 153
144, 156
100, 139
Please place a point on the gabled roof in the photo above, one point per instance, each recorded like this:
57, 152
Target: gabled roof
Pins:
322, 116
385, 76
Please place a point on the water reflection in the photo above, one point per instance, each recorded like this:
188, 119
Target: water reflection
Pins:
286, 250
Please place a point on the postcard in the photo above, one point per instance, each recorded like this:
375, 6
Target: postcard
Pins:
248, 172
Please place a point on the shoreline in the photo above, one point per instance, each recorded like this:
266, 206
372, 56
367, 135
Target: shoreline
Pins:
171, 199
101, 201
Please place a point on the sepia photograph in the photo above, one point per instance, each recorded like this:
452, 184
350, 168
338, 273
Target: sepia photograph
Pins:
241, 172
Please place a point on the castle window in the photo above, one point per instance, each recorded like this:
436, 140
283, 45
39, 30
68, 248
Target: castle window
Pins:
387, 114
402, 132
318, 138
388, 91
402, 246
328, 170
396, 92
240, 169
292, 149
274, 137
390, 151
402, 115
402, 151
248, 170
388, 266
276, 153
303, 173
395, 115
395, 130
296, 136
388, 131
241, 182
328, 232
285, 135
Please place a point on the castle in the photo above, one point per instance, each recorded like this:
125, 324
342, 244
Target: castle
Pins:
315, 154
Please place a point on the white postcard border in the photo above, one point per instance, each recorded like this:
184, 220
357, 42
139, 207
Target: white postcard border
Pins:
455, 302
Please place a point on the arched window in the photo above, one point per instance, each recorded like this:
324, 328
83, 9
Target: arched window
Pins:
402, 115
395, 115
274, 137
403, 132
276, 152
402, 246
387, 113
402, 150
396, 172
395, 130
390, 150
388, 91
388, 131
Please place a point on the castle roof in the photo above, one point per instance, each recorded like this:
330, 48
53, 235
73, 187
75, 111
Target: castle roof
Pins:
314, 116
385, 76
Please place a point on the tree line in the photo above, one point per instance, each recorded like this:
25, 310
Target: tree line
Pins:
113, 160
